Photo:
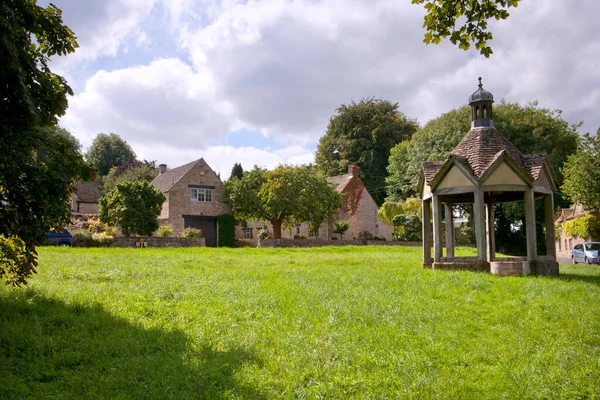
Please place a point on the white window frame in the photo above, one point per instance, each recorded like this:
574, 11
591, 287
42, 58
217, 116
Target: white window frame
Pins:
248, 233
202, 195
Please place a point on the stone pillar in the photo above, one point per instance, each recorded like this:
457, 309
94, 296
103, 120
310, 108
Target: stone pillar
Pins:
449, 230
437, 229
530, 225
479, 214
491, 235
427, 260
549, 217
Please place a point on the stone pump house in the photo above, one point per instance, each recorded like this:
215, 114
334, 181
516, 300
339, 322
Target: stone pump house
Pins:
485, 169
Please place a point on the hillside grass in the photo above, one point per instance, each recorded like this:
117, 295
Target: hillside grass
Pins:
335, 322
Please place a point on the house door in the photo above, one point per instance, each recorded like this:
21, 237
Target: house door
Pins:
208, 226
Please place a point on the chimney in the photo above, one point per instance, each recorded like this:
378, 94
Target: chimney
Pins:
353, 170
162, 168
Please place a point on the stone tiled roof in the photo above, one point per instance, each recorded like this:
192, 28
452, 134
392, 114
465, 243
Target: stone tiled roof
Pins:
340, 181
168, 179
87, 192
430, 168
481, 147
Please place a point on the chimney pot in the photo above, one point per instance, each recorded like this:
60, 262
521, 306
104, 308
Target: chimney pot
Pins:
353, 170
162, 168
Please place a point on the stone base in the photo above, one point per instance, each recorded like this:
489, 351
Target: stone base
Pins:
511, 267
466, 265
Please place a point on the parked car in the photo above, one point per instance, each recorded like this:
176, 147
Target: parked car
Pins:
63, 239
586, 253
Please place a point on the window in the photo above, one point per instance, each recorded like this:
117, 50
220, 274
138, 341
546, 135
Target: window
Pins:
313, 233
559, 242
247, 233
298, 230
202, 195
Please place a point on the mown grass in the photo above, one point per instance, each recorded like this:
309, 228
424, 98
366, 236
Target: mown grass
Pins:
347, 322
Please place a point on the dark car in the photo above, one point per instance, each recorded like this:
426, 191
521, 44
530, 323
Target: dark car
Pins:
63, 239
586, 253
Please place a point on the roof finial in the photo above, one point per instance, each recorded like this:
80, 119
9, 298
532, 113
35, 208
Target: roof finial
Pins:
480, 84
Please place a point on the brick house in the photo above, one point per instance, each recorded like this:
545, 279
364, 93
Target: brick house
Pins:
195, 197
564, 242
85, 198
358, 208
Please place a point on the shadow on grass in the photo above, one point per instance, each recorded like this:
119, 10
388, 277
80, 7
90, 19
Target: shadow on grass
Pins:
49, 348
595, 279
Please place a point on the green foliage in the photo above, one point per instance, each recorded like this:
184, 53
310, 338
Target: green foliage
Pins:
133, 207
237, 171
107, 151
17, 261
362, 134
586, 226
191, 233
331, 322
341, 227
134, 171
582, 173
390, 209
165, 231
409, 227
226, 224
263, 234
464, 234
285, 196
442, 17
86, 238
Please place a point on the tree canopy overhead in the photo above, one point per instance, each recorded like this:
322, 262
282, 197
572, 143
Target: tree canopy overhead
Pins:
107, 151
39, 163
134, 170
284, 196
442, 17
363, 134
582, 173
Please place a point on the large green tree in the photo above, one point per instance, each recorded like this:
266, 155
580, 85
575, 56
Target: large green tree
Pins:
284, 196
363, 134
463, 21
107, 151
582, 173
134, 170
237, 171
38, 163
132, 206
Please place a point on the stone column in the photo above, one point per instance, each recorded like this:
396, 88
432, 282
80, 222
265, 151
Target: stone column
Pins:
549, 217
491, 235
427, 260
530, 225
449, 230
437, 229
479, 214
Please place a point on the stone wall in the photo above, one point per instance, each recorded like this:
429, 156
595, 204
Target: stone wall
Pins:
158, 241
319, 243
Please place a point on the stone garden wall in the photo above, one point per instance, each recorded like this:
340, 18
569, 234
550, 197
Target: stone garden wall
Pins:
319, 243
158, 241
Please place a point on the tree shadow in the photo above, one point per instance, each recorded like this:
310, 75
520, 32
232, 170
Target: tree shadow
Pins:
569, 277
49, 348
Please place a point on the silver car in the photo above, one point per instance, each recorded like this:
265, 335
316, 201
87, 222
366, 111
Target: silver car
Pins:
586, 253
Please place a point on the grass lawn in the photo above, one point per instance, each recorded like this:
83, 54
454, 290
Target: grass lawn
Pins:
346, 322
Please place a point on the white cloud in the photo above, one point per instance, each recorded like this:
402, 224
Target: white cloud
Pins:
164, 102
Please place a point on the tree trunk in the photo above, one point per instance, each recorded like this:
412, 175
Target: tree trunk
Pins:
276, 228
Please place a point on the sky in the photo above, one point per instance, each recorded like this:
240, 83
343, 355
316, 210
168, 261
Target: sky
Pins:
255, 82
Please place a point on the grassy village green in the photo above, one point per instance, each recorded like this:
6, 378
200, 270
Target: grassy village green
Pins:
336, 322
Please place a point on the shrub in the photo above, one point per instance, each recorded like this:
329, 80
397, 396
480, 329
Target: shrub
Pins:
409, 227
341, 227
226, 230
109, 230
263, 234
17, 261
102, 239
165, 231
85, 238
191, 233
95, 225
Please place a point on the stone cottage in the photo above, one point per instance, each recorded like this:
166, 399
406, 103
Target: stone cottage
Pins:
195, 197
85, 198
358, 208
565, 242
